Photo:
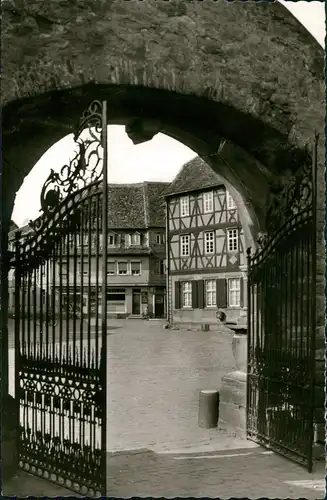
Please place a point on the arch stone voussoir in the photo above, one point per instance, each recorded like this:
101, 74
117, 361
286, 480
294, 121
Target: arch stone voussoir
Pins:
246, 72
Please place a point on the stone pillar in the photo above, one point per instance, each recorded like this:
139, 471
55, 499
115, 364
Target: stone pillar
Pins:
232, 408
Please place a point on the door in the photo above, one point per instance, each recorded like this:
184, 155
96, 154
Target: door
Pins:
136, 303
60, 361
159, 305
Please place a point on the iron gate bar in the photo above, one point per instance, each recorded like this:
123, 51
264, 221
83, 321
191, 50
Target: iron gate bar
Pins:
281, 312
103, 354
313, 295
59, 430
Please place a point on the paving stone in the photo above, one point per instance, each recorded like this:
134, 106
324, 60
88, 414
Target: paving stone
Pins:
155, 445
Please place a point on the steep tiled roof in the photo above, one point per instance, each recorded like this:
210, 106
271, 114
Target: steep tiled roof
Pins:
156, 207
195, 174
136, 205
23, 230
131, 206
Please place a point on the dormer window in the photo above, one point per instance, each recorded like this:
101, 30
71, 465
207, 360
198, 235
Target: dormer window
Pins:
127, 240
111, 240
208, 202
135, 239
185, 206
160, 238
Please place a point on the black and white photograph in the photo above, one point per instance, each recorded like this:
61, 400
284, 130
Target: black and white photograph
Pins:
162, 292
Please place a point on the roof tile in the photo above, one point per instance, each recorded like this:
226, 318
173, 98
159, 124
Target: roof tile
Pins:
195, 174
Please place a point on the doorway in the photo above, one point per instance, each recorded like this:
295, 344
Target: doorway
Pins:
136, 303
159, 304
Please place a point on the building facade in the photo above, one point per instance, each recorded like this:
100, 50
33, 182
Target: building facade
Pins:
136, 283
205, 248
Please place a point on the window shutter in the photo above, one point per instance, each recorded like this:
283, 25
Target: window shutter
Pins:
177, 294
194, 295
242, 292
200, 294
221, 285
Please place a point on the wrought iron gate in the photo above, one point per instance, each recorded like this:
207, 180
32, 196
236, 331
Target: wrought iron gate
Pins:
282, 323
60, 320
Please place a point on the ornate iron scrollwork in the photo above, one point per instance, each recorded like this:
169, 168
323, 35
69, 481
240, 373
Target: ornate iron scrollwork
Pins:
83, 169
288, 199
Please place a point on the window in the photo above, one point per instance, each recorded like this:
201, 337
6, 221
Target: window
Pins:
160, 267
136, 268
211, 293
187, 294
208, 202
63, 270
127, 240
111, 240
234, 292
209, 242
135, 239
116, 300
230, 202
160, 238
85, 267
232, 235
185, 245
111, 267
122, 267
116, 294
185, 206
145, 239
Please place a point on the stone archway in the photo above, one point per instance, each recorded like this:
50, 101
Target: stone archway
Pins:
241, 84
244, 70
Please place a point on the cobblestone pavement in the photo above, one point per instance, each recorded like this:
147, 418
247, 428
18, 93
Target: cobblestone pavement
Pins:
154, 379
243, 473
156, 447
240, 473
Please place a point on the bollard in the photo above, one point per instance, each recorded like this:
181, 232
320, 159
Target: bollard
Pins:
208, 409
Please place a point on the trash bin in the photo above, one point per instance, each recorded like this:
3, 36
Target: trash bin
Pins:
208, 409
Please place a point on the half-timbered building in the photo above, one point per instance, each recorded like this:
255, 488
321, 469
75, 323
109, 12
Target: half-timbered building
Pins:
205, 248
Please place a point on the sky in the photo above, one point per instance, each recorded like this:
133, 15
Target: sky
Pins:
157, 160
